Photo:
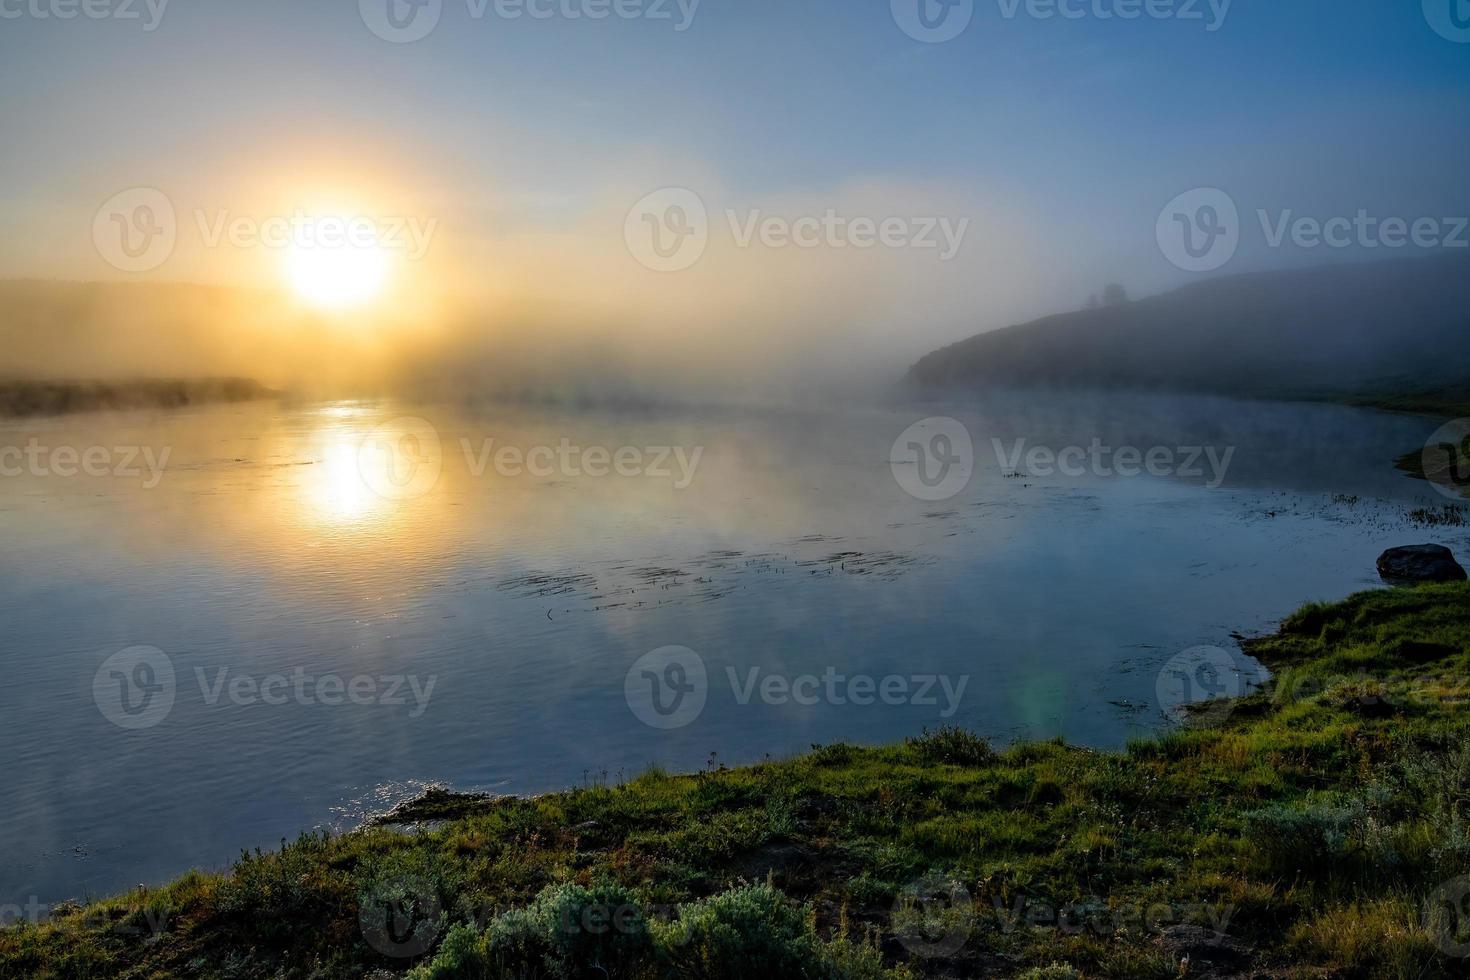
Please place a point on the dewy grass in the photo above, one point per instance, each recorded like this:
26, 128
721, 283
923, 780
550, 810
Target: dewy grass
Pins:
1322, 828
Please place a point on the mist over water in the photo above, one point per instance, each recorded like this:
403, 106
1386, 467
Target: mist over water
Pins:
866, 446
1047, 603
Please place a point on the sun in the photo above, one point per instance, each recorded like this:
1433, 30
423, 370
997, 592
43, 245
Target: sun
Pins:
337, 276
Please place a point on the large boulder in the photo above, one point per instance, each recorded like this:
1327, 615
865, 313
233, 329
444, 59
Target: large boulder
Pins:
1419, 563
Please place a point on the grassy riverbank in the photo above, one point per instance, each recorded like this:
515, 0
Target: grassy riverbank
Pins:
1316, 830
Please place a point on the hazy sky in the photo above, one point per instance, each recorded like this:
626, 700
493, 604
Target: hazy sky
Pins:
527, 140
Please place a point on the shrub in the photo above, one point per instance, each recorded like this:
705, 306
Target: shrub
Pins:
602, 926
281, 895
1310, 841
568, 931
464, 955
744, 932
740, 933
954, 746
1440, 781
836, 754
754, 931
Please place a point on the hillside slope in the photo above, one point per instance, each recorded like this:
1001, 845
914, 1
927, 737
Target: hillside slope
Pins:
1344, 331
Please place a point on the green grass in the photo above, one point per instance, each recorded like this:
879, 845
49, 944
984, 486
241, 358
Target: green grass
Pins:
1315, 828
1447, 401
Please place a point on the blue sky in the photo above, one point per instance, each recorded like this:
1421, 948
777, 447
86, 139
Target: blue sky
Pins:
1079, 129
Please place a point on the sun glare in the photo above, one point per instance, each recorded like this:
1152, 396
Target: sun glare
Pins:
337, 277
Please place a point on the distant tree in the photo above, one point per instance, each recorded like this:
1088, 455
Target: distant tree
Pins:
1114, 295
1092, 302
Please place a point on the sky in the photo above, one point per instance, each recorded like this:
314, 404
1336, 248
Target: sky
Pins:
1060, 141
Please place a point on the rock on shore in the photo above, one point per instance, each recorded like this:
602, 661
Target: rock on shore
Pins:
1419, 563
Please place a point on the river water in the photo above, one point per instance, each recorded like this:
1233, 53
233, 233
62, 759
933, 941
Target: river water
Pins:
239, 622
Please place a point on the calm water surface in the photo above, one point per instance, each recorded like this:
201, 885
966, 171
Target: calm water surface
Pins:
262, 551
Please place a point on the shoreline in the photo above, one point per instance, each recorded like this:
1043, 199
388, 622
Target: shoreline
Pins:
42, 399
1290, 831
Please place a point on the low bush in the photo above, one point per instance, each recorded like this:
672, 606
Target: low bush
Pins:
1311, 841
953, 746
568, 932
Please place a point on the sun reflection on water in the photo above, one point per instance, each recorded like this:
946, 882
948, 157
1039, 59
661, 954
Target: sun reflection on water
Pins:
337, 490
371, 476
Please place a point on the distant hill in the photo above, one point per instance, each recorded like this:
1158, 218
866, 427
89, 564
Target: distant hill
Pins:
63, 329
1387, 332
60, 330
27, 398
